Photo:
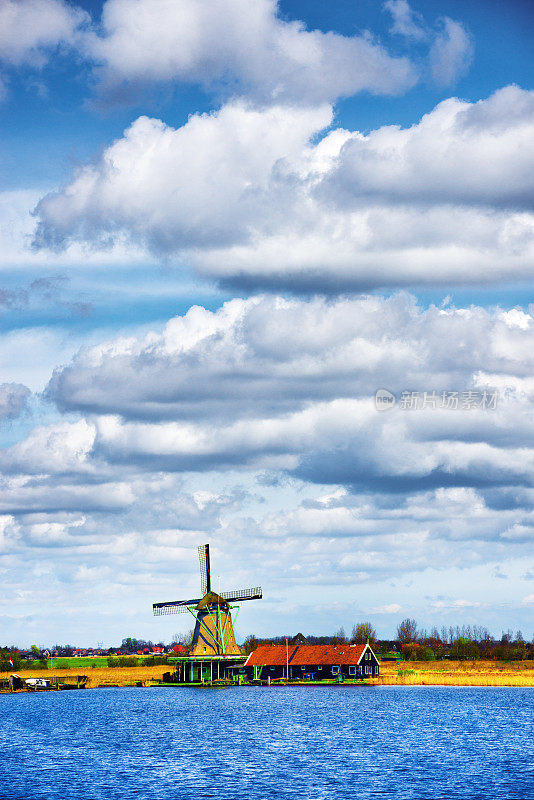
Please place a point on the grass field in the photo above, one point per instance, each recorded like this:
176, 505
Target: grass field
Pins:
103, 676
77, 663
458, 673
74, 663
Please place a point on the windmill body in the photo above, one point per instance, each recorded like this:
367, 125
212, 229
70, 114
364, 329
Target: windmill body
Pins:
214, 630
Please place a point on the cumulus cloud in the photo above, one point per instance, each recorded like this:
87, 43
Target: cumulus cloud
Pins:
216, 167
278, 355
57, 449
241, 47
267, 383
179, 425
263, 204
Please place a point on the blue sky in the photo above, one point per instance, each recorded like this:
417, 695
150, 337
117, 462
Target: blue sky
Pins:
224, 226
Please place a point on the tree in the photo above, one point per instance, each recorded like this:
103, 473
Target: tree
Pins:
417, 652
363, 632
250, 644
463, 648
339, 637
185, 639
36, 653
407, 631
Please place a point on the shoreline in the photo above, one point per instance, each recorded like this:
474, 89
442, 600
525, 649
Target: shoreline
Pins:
415, 673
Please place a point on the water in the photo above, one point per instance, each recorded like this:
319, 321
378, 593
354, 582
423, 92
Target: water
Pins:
314, 743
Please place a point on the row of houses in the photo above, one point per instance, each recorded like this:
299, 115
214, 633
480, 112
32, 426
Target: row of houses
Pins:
95, 652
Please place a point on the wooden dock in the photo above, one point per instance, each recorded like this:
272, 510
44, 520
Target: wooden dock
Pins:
43, 684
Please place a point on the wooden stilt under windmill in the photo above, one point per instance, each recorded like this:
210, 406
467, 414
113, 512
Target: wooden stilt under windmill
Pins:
214, 653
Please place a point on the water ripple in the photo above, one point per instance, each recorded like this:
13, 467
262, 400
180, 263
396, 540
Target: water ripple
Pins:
318, 743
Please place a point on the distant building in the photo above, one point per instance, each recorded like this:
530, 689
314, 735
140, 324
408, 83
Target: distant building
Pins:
312, 662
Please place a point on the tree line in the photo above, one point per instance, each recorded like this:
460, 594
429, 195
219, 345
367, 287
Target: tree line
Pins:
420, 644
411, 643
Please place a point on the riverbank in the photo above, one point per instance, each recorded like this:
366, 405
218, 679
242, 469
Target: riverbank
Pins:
406, 673
102, 677
457, 673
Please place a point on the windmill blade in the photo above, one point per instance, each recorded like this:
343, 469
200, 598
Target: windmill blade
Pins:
160, 611
205, 572
176, 607
243, 594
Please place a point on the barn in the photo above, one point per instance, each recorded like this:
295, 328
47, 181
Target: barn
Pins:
312, 662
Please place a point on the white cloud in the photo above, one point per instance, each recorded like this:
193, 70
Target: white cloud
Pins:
391, 608
59, 448
271, 356
31, 29
280, 385
17, 228
406, 21
451, 53
451, 46
268, 383
242, 47
210, 176
259, 204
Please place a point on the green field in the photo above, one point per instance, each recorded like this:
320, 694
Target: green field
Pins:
73, 663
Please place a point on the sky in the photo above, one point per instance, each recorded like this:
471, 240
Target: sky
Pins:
225, 226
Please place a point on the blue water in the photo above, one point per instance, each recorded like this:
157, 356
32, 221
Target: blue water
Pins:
313, 743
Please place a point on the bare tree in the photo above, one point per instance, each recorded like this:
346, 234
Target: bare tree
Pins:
407, 631
339, 637
434, 635
185, 639
363, 632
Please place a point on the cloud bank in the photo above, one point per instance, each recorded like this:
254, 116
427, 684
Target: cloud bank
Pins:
257, 423
262, 204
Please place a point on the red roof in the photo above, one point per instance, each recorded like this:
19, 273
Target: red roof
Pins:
304, 655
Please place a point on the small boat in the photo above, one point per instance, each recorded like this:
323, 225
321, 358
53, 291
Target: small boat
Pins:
34, 684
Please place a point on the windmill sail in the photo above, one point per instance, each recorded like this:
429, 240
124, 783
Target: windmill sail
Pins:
205, 576
174, 607
243, 594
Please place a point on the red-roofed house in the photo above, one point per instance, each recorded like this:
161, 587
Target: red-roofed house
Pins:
312, 662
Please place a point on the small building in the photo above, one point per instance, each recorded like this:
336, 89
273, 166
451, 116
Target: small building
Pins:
312, 662
205, 669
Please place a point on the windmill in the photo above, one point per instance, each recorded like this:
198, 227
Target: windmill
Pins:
214, 630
